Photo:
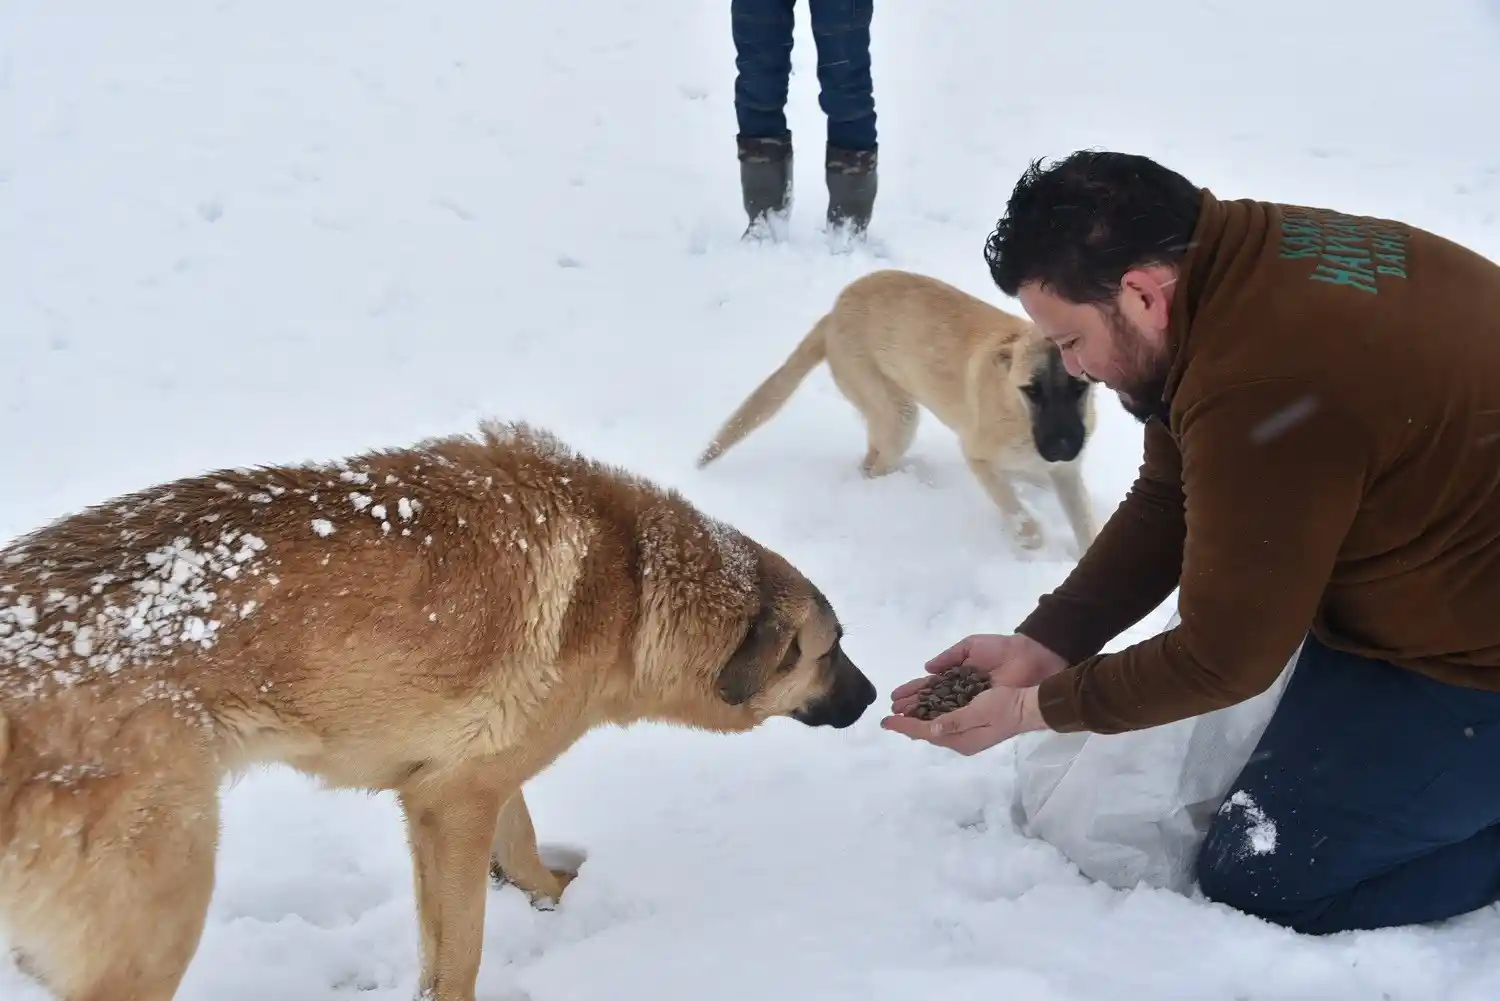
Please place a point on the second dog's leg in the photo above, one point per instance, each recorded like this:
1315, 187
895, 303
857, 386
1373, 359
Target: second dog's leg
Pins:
1022, 524
1067, 480
451, 820
890, 432
514, 857
891, 416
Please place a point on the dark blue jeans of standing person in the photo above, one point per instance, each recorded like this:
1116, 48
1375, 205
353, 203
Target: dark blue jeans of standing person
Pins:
1372, 800
763, 47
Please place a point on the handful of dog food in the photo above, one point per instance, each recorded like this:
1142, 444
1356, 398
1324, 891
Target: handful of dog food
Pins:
953, 689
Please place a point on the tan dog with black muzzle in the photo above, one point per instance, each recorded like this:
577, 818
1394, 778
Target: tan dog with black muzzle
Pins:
896, 341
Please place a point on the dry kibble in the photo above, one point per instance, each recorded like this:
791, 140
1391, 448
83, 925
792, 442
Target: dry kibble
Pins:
953, 689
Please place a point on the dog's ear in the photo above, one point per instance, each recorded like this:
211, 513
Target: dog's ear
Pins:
746, 670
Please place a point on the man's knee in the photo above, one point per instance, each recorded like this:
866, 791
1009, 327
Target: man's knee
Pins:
1225, 879
1238, 866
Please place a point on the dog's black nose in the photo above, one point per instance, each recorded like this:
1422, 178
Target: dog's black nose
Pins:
1060, 448
852, 693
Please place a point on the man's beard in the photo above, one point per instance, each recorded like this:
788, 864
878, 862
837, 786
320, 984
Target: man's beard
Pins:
1142, 393
1144, 408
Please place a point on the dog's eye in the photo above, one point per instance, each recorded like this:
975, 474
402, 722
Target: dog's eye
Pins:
1032, 391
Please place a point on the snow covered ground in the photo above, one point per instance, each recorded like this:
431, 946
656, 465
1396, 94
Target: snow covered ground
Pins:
240, 232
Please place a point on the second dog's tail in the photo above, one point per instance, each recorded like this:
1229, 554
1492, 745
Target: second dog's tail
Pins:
771, 394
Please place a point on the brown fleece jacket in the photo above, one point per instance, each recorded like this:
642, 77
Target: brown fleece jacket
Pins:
1332, 465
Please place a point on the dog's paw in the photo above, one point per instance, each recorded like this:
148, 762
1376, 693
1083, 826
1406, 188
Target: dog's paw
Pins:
543, 883
564, 880
1028, 533
547, 898
543, 891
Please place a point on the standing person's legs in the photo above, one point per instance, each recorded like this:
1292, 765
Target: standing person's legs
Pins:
1371, 801
762, 32
841, 29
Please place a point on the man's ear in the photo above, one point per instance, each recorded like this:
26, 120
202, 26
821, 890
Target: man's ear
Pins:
746, 670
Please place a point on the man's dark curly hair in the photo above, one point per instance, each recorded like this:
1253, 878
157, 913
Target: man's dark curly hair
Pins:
1077, 226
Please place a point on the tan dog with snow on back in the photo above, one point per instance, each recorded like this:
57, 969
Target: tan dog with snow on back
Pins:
895, 341
443, 621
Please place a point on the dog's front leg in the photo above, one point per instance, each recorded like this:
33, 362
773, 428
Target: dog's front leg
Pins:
1067, 480
514, 857
450, 818
1027, 530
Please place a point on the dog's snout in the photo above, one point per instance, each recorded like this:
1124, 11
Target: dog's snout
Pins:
1059, 422
863, 695
846, 700
1060, 447
1058, 437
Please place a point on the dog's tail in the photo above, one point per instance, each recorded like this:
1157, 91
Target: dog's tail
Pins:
771, 394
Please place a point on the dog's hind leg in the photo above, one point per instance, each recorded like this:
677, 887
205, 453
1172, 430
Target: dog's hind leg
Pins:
514, 857
1067, 480
891, 415
1020, 522
890, 434
124, 882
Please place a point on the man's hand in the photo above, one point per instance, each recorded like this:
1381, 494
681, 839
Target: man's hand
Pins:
1008, 661
994, 715
1015, 665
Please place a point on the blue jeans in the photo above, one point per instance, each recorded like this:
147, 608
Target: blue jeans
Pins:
1372, 800
763, 59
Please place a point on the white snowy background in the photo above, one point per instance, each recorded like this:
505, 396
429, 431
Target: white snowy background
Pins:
235, 232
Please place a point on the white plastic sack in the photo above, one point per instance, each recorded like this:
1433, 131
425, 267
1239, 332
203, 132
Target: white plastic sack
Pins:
1133, 808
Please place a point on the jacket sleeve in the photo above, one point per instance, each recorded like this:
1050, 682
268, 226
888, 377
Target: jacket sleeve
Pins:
1273, 478
1131, 567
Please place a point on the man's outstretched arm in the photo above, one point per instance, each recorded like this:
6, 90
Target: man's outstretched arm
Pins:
1268, 509
1132, 566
